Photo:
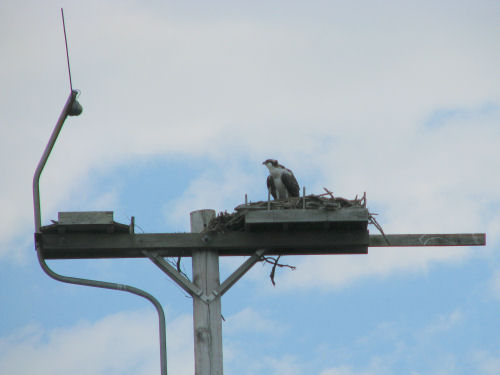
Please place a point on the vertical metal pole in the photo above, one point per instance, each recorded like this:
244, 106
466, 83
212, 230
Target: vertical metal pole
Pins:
207, 318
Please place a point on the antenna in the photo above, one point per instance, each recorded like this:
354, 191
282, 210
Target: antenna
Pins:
67, 53
74, 108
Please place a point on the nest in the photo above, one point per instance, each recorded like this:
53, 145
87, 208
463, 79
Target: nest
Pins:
230, 222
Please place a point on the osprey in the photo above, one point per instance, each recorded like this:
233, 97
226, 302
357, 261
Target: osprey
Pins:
281, 182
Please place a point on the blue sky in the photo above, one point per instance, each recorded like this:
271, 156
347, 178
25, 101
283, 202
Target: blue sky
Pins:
182, 102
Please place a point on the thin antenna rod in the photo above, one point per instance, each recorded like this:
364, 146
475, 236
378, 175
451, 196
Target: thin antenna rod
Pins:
67, 53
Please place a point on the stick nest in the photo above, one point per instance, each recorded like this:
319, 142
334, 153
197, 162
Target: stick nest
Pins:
230, 222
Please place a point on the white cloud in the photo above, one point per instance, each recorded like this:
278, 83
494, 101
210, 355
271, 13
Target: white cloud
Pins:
285, 365
249, 320
123, 343
337, 271
487, 363
412, 349
442, 323
214, 189
239, 329
376, 366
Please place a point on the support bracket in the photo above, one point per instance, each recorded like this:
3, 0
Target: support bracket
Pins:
175, 275
236, 275
192, 289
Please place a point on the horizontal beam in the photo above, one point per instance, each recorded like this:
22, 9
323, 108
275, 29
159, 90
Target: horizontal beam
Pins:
122, 245
405, 240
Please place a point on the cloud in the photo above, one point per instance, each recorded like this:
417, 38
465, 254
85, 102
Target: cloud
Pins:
345, 370
494, 284
250, 328
395, 347
443, 323
127, 343
215, 189
122, 343
251, 321
338, 271
487, 363
377, 365
284, 365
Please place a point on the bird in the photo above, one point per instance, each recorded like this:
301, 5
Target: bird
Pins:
281, 182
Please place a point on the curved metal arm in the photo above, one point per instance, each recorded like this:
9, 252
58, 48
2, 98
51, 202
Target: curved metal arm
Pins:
113, 286
71, 108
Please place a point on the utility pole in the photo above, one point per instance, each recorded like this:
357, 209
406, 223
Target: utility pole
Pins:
207, 315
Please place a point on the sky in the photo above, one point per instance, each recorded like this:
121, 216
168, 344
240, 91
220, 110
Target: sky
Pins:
182, 101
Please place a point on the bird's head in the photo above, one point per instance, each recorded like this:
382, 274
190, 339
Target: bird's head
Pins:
270, 163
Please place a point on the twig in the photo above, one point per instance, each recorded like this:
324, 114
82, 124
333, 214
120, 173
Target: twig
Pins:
328, 192
378, 226
274, 262
179, 264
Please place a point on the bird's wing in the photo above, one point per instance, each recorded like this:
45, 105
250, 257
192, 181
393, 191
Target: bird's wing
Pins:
291, 184
271, 187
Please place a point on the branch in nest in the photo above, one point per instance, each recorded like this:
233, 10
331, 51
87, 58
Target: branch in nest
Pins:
328, 192
274, 262
378, 226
